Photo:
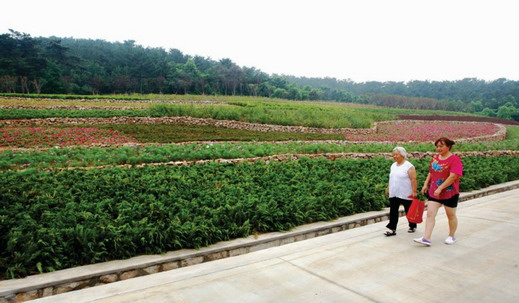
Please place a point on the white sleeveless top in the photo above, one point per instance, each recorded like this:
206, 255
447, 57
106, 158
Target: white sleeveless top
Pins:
399, 181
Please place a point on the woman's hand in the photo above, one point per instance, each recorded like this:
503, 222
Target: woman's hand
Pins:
437, 192
414, 195
424, 189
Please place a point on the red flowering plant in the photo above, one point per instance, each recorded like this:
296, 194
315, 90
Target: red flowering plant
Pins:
419, 131
53, 136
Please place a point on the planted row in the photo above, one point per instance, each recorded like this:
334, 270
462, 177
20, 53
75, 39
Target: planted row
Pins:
133, 155
72, 97
278, 113
52, 136
58, 220
55, 220
426, 131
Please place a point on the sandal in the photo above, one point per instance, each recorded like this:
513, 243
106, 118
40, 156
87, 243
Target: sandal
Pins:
389, 233
411, 230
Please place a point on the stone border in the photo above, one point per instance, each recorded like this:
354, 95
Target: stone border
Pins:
456, 118
116, 100
187, 120
498, 136
296, 157
71, 107
54, 283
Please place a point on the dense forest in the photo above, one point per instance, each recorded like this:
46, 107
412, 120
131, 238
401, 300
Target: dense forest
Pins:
83, 66
469, 94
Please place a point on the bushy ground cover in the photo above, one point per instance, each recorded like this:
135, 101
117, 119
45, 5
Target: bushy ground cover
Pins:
97, 156
512, 132
300, 114
426, 131
11, 114
59, 219
224, 99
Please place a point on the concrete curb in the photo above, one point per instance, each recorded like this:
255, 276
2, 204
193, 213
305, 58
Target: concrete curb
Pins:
53, 283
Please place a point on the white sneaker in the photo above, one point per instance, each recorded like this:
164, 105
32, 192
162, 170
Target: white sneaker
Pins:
450, 240
423, 241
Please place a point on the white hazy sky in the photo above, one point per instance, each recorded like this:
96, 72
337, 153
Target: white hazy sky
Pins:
361, 40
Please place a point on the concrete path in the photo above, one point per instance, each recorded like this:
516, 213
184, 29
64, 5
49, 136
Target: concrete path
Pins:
358, 265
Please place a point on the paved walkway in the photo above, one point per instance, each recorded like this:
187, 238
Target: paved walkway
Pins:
358, 265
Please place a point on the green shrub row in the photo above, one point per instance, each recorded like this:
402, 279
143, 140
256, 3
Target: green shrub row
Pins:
55, 220
9, 114
257, 112
133, 155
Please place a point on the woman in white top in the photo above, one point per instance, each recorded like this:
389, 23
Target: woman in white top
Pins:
401, 189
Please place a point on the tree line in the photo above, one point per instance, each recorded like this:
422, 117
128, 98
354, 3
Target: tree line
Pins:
497, 98
84, 66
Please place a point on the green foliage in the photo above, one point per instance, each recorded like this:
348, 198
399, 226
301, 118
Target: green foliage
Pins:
84, 157
9, 114
396, 101
280, 113
508, 111
488, 112
55, 220
468, 95
69, 218
512, 132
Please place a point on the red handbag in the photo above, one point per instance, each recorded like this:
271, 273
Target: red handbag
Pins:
415, 213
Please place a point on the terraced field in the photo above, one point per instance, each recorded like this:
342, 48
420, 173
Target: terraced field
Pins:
81, 185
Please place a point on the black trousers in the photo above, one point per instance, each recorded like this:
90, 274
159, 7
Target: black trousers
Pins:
394, 204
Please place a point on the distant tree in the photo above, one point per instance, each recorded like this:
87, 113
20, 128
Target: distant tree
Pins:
177, 56
20, 56
265, 89
189, 77
294, 93
280, 93
488, 112
507, 111
477, 106
8, 84
229, 75
315, 94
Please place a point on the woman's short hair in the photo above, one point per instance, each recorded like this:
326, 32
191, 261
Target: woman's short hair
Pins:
401, 150
446, 141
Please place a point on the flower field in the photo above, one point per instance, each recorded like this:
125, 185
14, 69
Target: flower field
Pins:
53, 136
387, 132
420, 131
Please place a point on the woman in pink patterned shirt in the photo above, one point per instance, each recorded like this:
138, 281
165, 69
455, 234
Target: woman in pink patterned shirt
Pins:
442, 187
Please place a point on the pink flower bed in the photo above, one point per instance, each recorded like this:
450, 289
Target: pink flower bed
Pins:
53, 136
405, 131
